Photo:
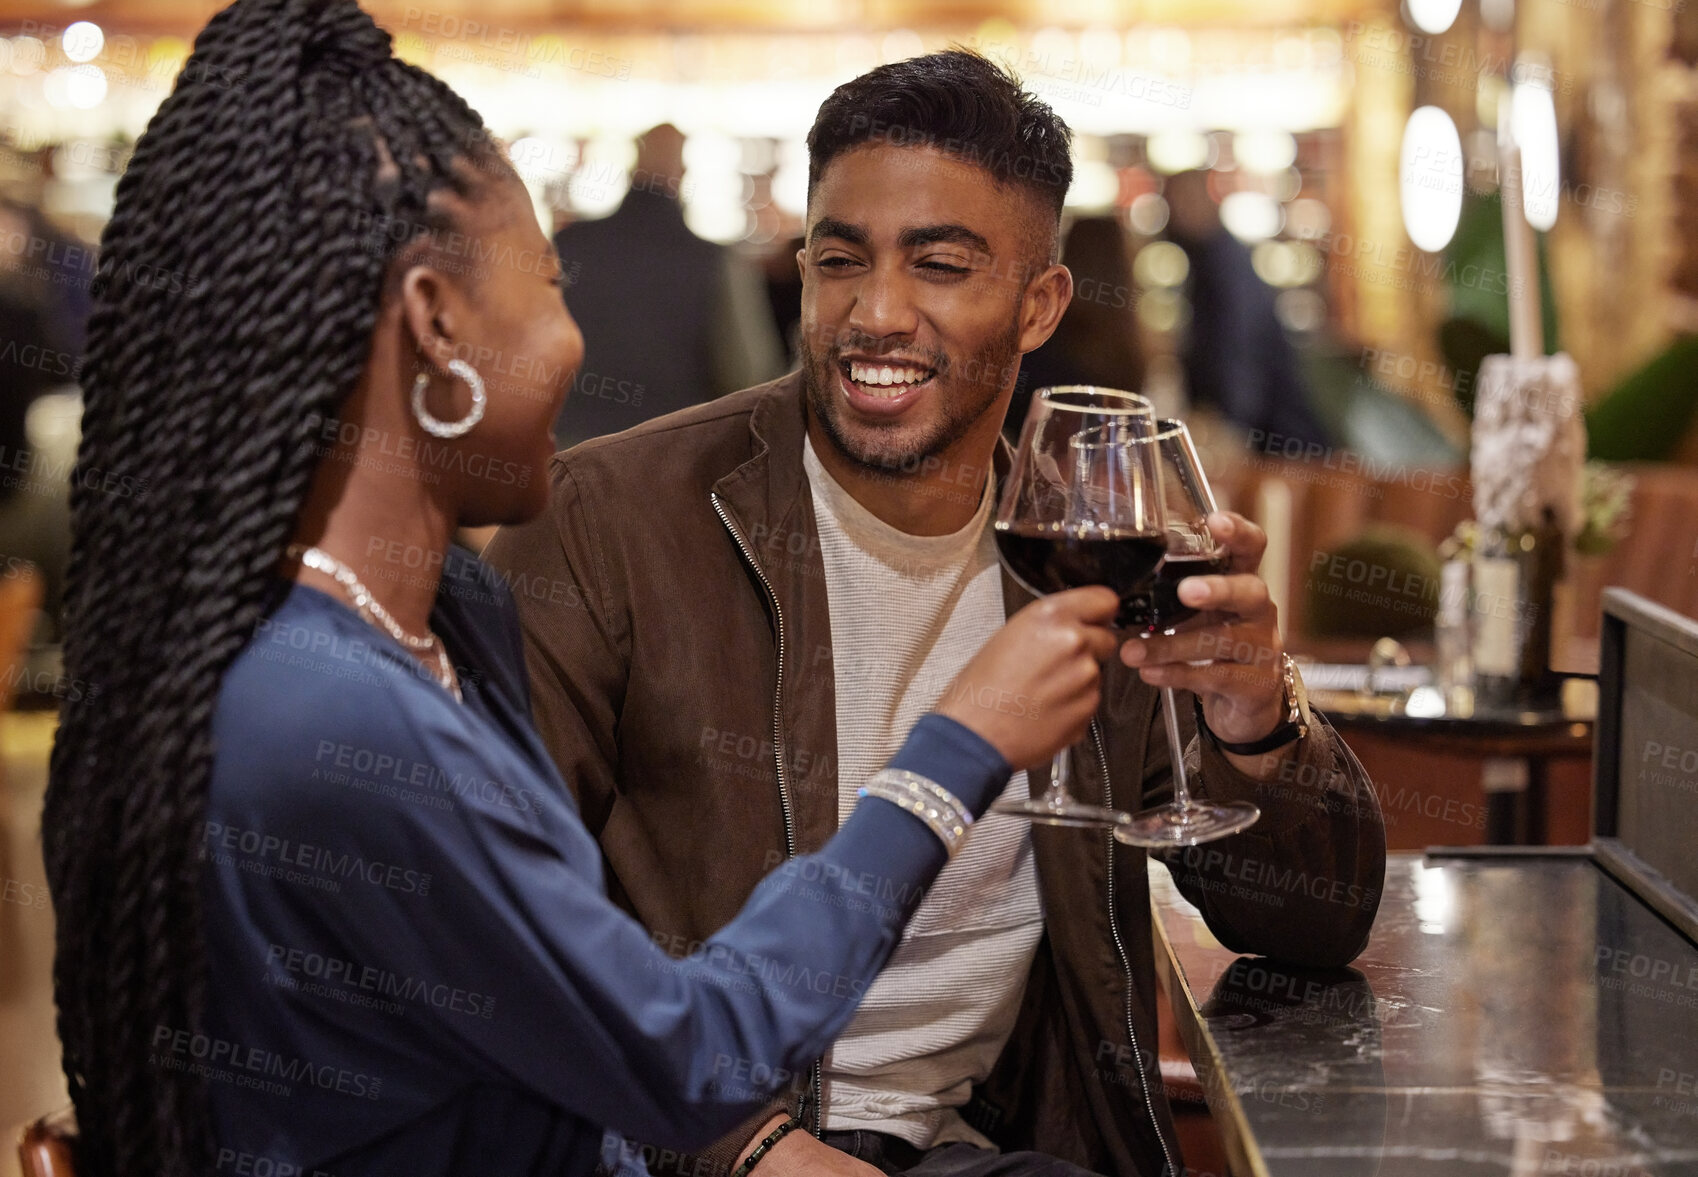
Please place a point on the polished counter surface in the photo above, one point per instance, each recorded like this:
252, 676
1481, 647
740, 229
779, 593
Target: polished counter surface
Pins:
1513, 1016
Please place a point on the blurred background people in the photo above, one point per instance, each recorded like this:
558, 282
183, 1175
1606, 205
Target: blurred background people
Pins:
55, 268
1097, 339
45, 276
669, 319
32, 356
784, 291
1236, 356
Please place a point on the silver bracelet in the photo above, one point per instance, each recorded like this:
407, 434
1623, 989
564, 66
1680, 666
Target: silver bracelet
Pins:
927, 800
925, 789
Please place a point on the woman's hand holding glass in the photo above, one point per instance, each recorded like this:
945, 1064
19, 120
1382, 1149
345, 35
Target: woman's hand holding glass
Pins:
1032, 689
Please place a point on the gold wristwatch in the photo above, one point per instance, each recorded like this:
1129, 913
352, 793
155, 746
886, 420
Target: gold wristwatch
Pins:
1294, 727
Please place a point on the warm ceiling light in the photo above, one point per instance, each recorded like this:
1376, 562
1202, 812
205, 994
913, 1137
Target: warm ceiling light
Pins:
1251, 216
1160, 264
1096, 187
82, 41
1532, 119
1433, 16
1172, 152
86, 86
1430, 178
1148, 214
1498, 15
1264, 152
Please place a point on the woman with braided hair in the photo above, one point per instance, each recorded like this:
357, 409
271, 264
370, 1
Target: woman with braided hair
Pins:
324, 903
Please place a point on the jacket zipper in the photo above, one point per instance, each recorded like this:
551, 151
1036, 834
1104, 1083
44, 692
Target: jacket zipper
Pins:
777, 745
1125, 961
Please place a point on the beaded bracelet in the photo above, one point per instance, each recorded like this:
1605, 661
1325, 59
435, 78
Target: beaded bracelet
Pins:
927, 800
765, 1146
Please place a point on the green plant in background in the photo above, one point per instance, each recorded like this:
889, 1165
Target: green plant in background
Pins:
1383, 582
1647, 416
1606, 498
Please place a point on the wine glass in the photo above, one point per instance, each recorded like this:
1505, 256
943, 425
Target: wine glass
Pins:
1191, 550
1080, 507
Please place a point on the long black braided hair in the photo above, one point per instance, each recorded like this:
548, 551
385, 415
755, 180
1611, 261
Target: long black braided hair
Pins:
238, 288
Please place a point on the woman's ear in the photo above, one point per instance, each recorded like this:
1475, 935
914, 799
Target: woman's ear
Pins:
430, 307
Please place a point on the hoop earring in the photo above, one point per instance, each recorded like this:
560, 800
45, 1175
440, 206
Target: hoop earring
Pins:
451, 429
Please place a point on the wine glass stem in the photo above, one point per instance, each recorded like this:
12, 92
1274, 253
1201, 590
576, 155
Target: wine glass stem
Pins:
1056, 796
1176, 748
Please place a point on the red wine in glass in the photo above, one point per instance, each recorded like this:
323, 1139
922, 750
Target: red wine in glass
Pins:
1054, 557
1192, 551
1160, 610
1081, 505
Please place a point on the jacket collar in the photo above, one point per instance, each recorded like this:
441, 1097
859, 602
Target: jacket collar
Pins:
764, 494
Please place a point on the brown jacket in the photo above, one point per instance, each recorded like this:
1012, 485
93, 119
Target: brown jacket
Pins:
675, 608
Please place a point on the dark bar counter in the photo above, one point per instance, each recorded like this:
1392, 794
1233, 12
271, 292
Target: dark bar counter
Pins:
1514, 1015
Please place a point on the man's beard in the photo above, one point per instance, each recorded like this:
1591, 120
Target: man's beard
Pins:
893, 449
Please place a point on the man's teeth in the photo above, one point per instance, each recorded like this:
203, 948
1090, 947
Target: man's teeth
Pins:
871, 374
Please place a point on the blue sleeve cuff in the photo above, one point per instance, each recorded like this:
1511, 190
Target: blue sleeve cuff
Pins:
957, 758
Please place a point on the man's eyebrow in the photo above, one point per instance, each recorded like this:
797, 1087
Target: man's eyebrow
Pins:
942, 234
832, 227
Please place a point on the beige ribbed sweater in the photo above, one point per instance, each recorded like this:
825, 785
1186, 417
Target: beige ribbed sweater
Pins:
907, 613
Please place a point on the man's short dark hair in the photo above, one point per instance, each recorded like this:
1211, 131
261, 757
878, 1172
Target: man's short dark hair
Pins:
956, 102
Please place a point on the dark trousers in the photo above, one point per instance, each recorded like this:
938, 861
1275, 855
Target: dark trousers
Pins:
891, 1155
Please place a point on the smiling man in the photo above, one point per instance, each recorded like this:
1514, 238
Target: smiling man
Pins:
734, 613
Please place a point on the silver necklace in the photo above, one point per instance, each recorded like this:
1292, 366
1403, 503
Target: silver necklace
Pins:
361, 596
